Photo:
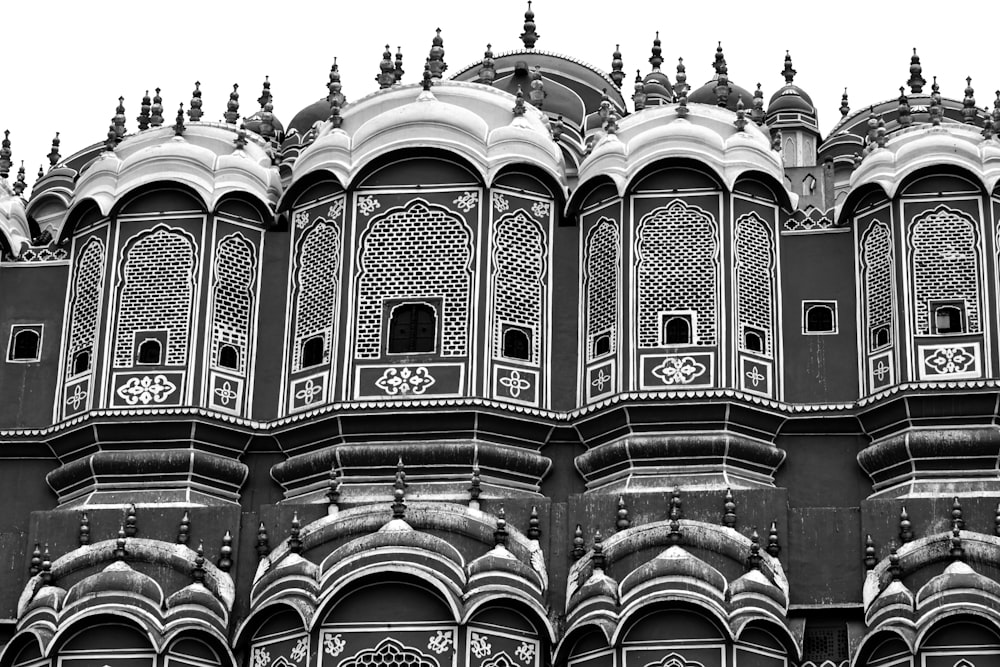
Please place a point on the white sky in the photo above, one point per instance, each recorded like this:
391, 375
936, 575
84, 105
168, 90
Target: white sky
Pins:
69, 60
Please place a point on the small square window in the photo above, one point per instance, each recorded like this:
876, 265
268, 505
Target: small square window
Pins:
880, 337
25, 344
753, 340
819, 317
947, 317
413, 327
150, 348
516, 343
602, 345
677, 328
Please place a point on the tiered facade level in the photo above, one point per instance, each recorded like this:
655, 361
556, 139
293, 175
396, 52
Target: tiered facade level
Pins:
522, 367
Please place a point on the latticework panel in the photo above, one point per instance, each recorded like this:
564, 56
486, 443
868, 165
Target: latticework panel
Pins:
85, 300
876, 276
518, 278
420, 251
317, 282
678, 269
602, 280
755, 295
945, 264
233, 297
156, 283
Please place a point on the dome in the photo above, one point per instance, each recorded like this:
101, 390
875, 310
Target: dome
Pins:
791, 98
707, 95
303, 121
254, 122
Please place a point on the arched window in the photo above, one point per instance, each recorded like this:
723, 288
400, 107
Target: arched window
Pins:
880, 337
820, 318
516, 343
149, 352
677, 330
312, 352
753, 340
602, 344
949, 318
81, 362
24, 346
412, 328
229, 357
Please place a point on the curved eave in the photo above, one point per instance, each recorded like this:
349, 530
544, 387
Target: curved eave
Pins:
13, 220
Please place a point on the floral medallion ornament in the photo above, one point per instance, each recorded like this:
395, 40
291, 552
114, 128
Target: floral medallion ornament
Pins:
480, 646
515, 384
950, 360
300, 650
336, 209
146, 389
600, 379
467, 201
540, 209
500, 203
225, 393
300, 219
261, 658
334, 644
405, 381
77, 398
679, 370
440, 642
525, 652
307, 394
368, 204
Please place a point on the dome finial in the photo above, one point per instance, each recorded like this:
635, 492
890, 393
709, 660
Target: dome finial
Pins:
916, 82
754, 559
194, 107
20, 184
639, 96
143, 118
225, 561
905, 526
198, 565
265, 93
996, 115
399, 492
436, 57
969, 110
294, 535
263, 547
518, 109
334, 86
844, 107
773, 546
789, 72
957, 551
720, 61
54, 155
757, 113
156, 111
500, 535
905, 119
488, 72
741, 116
109, 143
119, 118
870, 560
386, 76
622, 521
233, 106
179, 122
657, 58
578, 551
529, 36
617, 66
537, 92
936, 110
534, 525
680, 80
427, 80
398, 71
729, 509
598, 557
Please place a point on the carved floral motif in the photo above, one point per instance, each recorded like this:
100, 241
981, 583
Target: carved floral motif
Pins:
400, 382
146, 389
679, 370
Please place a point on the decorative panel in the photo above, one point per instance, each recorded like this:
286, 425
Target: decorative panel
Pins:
308, 392
602, 284
518, 279
285, 650
601, 380
86, 289
672, 655
755, 278
686, 370
492, 648
233, 278
755, 375
147, 390
881, 371
519, 385
409, 380
949, 361
876, 280
402, 646
226, 392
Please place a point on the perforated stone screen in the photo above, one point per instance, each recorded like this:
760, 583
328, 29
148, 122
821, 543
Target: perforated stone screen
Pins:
317, 283
85, 300
519, 245
755, 276
876, 276
602, 280
233, 296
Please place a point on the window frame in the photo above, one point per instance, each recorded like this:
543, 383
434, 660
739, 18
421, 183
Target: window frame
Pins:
692, 321
15, 331
934, 305
390, 309
808, 305
506, 328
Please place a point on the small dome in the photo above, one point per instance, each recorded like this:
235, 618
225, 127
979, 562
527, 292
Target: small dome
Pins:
254, 122
791, 98
304, 120
657, 84
707, 95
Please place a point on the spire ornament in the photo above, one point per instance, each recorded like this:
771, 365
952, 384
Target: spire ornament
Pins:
789, 72
119, 119
996, 115
754, 559
757, 113
556, 127
844, 106
488, 72
617, 66
905, 117
578, 550
917, 81
518, 109
773, 547
109, 143
54, 155
622, 522
741, 117
598, 557
871, 559
398, 71
475, 488
5, 154
729, 510
534, 525
233, 106
682, 105
500, 535
680, 79
194, 107
969, 110
956, 514
179, 122
895, 570
639, 96
957, 551
131, 523
656, 60
20, 185
184, 529
333, 490
905, 527
198, 566
263, 548
84, 532
120, 552
143, 117
399, 492
436, 57
35, 566
294, 540
156, 110
226, 552
537, 92
529, 36
428, 78
386, 76
46, 567
936, 111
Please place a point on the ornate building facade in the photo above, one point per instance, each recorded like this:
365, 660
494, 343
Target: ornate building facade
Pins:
520, 365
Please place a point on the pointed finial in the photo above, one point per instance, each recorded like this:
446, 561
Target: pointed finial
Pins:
386, 76
935, 111
294, 542
534, 525
723, 89
741, 116
20, 185
334, 87
336, 120
156, 111
333, 488
436, 57
598, 557
556, 127
729, 509
184, 529
895, 571
680, 79
518, 109
676, 506
120, 553
46, 567
611, 124
682, 105
84, 533
194, 108
537, 92
996, 115
119, 118
754, 559
110, 142
617, 66
956, 513
5, 154
905, 527
500, 534
969, 110
656, 59
788, 72
265, 92
773, 547
241, 138
131, 523
143, 117
399, 493
263, 547
233, 106
226, 552
757, 113
529, 36
54, 155
401, 471
905, 119
916, 82
41, 172
179, 122
198, 566
870, 558
622, 522
475, 487
578, 550
639, 96
957, 551
844, 106
776, 141
36, 560
428, 78
398, 70
880, 133
719, 64
488, 72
